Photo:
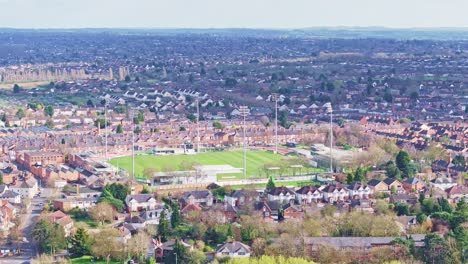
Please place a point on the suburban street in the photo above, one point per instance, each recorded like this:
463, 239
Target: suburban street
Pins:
28, 250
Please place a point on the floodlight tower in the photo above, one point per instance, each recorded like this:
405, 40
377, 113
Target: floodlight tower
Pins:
198, 123
275, 97
244, 112
133, 144
105, 124
330, 110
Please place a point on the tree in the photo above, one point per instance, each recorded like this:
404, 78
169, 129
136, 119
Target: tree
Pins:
163, 227
459, 160
101, 123
140, 117
388, 97
127, 79
360, 174
230, 82
49, 236
414, 96
106, 246
283, 119
138, 245
102, 212
445, 205
137, 130
192, 117
175, 216
179, 252
349, 178
20, 113
402, 209
1, 178
16, 88
435, 249
49, 110
49, 123
271, 184
403, 162
218, 125
90, 103
392, 170
119, 129
80, 243
118, 191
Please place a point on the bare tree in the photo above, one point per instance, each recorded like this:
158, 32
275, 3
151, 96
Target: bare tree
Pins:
102, 212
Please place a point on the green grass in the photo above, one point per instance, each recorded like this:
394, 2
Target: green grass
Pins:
286, 183
87, 259
255, 160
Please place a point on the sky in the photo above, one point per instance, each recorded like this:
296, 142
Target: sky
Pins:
232, 13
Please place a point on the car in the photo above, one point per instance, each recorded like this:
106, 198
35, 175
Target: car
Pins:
40, 204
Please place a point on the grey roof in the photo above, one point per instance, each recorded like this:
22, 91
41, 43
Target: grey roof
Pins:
141, 198
198, 194
233, 247
354, 242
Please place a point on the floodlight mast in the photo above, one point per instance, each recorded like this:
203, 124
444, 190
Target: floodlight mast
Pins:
105, 124
133, 144
330, 110
244, 112
276, 97
198, 124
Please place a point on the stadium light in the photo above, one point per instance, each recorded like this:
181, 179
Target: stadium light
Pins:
244, 112
275, 97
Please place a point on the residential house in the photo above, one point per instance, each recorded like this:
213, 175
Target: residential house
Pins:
240, 197
410, 199
202, 197
159, 249
406, 222
358, 190
281, 194
413, 184
67, 204
456, 193
335, 192
270, 210
308, 194
442, 182
234, 249
378, 186
292, 212
189, 208
27, 188
139, 202
393, 184
9, 195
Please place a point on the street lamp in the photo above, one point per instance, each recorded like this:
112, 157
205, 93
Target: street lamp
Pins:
330, 110
244, 111
275, 97
175, 254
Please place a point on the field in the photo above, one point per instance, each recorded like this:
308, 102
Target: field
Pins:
89, 259
255, 160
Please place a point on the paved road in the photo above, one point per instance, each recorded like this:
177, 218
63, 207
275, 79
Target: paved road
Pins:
29, 220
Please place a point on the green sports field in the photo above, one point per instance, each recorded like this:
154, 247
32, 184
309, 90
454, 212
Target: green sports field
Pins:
255, 160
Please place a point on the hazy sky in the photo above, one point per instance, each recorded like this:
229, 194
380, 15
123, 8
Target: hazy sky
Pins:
232, 13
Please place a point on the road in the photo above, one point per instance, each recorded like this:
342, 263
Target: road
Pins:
29, 220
